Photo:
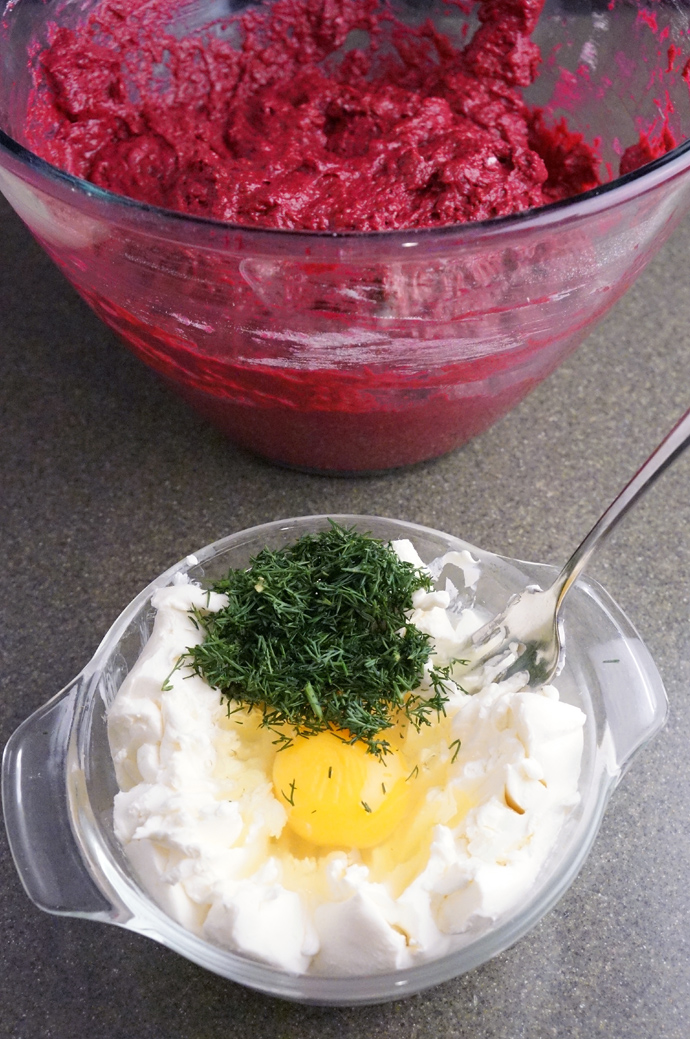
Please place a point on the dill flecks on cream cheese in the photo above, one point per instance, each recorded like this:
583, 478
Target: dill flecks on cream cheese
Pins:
329, 852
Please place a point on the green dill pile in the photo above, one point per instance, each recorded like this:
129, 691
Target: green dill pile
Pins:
316, 636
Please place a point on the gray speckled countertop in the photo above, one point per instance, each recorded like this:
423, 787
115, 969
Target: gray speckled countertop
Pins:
106, 480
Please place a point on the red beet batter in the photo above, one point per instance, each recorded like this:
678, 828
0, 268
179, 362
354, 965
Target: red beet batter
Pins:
287, 125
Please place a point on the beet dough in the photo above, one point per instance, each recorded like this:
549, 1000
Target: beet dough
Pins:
287, 131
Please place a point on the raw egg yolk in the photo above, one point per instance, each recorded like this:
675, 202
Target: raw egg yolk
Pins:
337, 794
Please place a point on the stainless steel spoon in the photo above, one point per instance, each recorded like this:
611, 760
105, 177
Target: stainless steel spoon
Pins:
527, 636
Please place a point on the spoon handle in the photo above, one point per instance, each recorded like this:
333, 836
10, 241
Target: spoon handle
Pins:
664, 455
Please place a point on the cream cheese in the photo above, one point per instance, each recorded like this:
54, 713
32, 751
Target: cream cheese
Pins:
208, 837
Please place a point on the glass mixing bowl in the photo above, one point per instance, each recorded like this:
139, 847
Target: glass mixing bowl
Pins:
58, 781
361, 352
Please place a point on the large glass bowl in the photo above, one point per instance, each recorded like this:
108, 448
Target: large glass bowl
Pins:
58, 781
361, 352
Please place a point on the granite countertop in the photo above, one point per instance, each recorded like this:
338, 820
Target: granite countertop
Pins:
106, 479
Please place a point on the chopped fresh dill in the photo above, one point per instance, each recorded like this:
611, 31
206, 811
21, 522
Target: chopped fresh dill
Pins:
167, 685
457, 745
291, 799
366, 807
316, 635
383, 787
414, 772
330, 771
282, 740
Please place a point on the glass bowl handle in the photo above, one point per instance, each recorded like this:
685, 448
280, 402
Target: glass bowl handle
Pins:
633, 696
34, 798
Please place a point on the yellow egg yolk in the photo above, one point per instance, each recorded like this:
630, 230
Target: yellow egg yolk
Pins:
337, 794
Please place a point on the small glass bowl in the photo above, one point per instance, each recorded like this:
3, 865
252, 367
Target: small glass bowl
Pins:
58, 781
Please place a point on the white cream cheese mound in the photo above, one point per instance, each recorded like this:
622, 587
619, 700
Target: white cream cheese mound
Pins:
489, 788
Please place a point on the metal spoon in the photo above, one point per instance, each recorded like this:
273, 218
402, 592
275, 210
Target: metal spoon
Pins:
528, 633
